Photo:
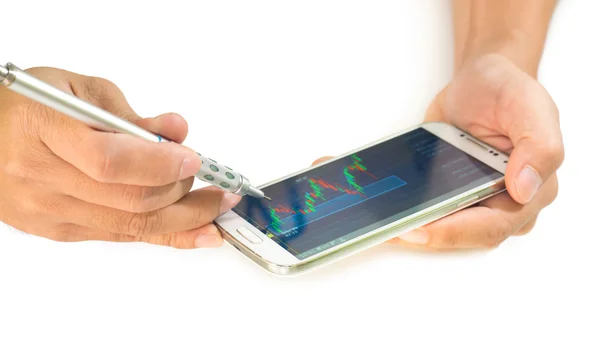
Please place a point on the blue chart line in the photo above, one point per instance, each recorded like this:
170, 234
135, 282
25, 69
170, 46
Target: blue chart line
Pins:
341, 203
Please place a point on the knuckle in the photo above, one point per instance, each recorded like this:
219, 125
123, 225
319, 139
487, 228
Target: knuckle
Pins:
550, 191
97, 88
452, 236
17, 109
50, 205
498, 233
119, 237
554, 151
18, 170
102, 166
42, 205
102, 170
493, 239
26, 165
456, 239
60, 235
27, 207
157, 175
527, 228
171, 240
553, 193
142, 224
139, 198
202, 217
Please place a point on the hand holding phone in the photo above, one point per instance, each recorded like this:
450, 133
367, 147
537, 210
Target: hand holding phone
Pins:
502, 105
364, 197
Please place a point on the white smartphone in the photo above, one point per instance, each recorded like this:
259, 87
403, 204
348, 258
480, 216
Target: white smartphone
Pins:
363, 198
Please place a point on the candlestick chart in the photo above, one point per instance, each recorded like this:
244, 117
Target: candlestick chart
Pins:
324, 197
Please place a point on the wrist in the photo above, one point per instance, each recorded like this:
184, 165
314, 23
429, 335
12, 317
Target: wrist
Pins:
514, 45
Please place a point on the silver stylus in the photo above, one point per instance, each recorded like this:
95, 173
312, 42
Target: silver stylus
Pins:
27, 85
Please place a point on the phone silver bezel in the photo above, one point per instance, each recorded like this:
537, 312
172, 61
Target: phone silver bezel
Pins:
275, 259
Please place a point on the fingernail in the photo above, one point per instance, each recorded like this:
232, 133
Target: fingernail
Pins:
416, 236
229, 201
207, 241
528, 183
190, 166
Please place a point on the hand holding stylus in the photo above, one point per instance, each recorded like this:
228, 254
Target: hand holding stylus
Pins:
63, 180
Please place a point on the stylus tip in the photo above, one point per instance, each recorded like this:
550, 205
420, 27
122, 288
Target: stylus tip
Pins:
268, 198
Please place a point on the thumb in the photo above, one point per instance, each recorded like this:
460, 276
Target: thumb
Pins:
538, 146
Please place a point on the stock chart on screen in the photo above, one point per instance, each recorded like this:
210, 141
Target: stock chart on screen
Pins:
324, 198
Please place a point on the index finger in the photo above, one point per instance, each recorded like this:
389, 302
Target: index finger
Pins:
120, 158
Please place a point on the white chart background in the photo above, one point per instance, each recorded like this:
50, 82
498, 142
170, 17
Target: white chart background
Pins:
253, 78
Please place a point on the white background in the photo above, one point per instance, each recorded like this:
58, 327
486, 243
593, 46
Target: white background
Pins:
267, 87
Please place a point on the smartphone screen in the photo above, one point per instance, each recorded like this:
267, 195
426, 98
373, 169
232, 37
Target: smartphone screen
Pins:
356, 194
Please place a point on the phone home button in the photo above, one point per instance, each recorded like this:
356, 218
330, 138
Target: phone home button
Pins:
248, 235
467, 202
